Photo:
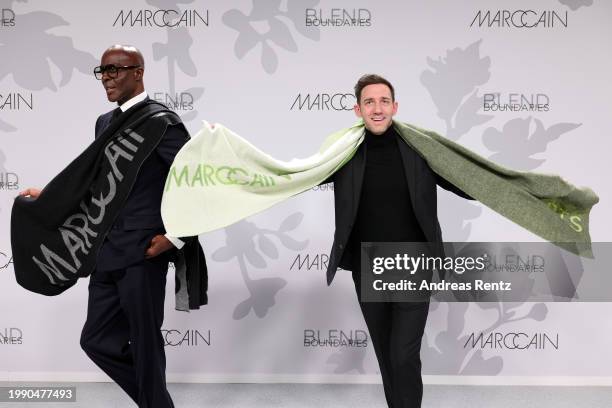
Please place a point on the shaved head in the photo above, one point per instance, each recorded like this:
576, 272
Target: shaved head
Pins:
130, 51
127, 79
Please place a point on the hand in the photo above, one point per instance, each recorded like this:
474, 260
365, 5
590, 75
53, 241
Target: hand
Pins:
158, 245
32, 192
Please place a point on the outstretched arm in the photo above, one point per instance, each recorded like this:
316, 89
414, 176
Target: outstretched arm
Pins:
451, 187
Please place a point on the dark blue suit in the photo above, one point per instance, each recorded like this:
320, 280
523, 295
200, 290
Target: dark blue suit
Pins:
126, 292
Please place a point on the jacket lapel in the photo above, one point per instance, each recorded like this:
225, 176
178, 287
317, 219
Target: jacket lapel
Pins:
409, 163
358, 166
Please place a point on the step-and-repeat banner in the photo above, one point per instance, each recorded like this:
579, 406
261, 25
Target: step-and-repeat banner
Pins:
526, 85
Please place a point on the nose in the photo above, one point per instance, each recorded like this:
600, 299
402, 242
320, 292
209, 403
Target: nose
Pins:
105, 76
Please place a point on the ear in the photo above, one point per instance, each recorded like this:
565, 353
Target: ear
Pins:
138, 74
357, 111
395, 106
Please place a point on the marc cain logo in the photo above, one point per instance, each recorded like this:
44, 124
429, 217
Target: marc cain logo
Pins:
324, 101
162, 18
207, 175
190, 337
8, 18
520, 19
513, 341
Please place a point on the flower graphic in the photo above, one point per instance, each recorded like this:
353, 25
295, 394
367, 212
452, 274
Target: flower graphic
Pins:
32, 54
515, 144
267, 14
244, 243
28, 57
177, 52
452, 82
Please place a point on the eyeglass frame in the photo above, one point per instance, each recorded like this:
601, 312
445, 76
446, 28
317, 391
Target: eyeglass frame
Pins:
105, 68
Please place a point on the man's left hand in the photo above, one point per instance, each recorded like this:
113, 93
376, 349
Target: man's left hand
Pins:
158, 245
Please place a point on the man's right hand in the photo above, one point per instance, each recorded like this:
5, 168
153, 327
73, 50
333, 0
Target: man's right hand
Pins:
32, 192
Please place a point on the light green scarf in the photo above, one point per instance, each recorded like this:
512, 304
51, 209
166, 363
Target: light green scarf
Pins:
218, 178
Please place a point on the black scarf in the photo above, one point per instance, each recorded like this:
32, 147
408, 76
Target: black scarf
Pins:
56, 237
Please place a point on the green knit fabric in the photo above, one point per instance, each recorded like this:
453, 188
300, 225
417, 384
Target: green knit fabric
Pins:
219, 178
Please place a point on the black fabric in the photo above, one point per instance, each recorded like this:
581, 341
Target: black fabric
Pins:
115, 114
385, 213
387, 192
396, 330
122, 335
56, 238
139, 219
421, 181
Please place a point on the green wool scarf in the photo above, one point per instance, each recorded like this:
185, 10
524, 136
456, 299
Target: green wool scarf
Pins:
218, 178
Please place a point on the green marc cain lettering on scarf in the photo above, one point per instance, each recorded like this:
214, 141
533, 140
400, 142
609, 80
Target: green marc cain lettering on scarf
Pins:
544, 204
205, 175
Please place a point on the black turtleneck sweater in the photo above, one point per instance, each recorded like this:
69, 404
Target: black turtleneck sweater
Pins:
385, 212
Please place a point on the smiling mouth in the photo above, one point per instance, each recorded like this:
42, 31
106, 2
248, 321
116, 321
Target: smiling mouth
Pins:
378, 119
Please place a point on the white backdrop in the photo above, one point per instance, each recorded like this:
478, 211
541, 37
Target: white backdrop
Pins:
258, 68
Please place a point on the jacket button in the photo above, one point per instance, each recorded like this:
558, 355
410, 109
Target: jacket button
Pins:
340, 246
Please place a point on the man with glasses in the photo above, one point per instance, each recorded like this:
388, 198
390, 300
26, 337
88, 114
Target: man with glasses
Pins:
127, 289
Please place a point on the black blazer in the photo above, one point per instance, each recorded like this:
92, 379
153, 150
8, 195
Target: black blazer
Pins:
422, 183
140, 218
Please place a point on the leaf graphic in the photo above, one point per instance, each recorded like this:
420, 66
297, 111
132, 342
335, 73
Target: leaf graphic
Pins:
468, 117
295, 12
576, 4
223, 254
265, 9
281, 36
268, 247
477, 364
254, 258
538, 312
542, 137
30, 54
347, 360
242, 309
176, 50
189, 116
515, 145
6, 127
291, 243
263, 294
168, 4
291, 222
269, 60
244, 43
454, 77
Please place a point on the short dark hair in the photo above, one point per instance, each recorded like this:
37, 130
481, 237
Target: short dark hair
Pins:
371, 79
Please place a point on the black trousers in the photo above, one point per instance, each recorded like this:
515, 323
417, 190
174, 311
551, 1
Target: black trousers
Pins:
122, 333
396, 330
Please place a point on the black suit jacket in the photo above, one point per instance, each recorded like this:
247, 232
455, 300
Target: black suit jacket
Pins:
422, 183
140, 218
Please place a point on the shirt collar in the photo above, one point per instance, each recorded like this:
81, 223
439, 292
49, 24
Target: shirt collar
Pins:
138, 98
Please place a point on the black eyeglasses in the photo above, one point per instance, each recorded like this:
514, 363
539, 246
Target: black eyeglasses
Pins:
111, 70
